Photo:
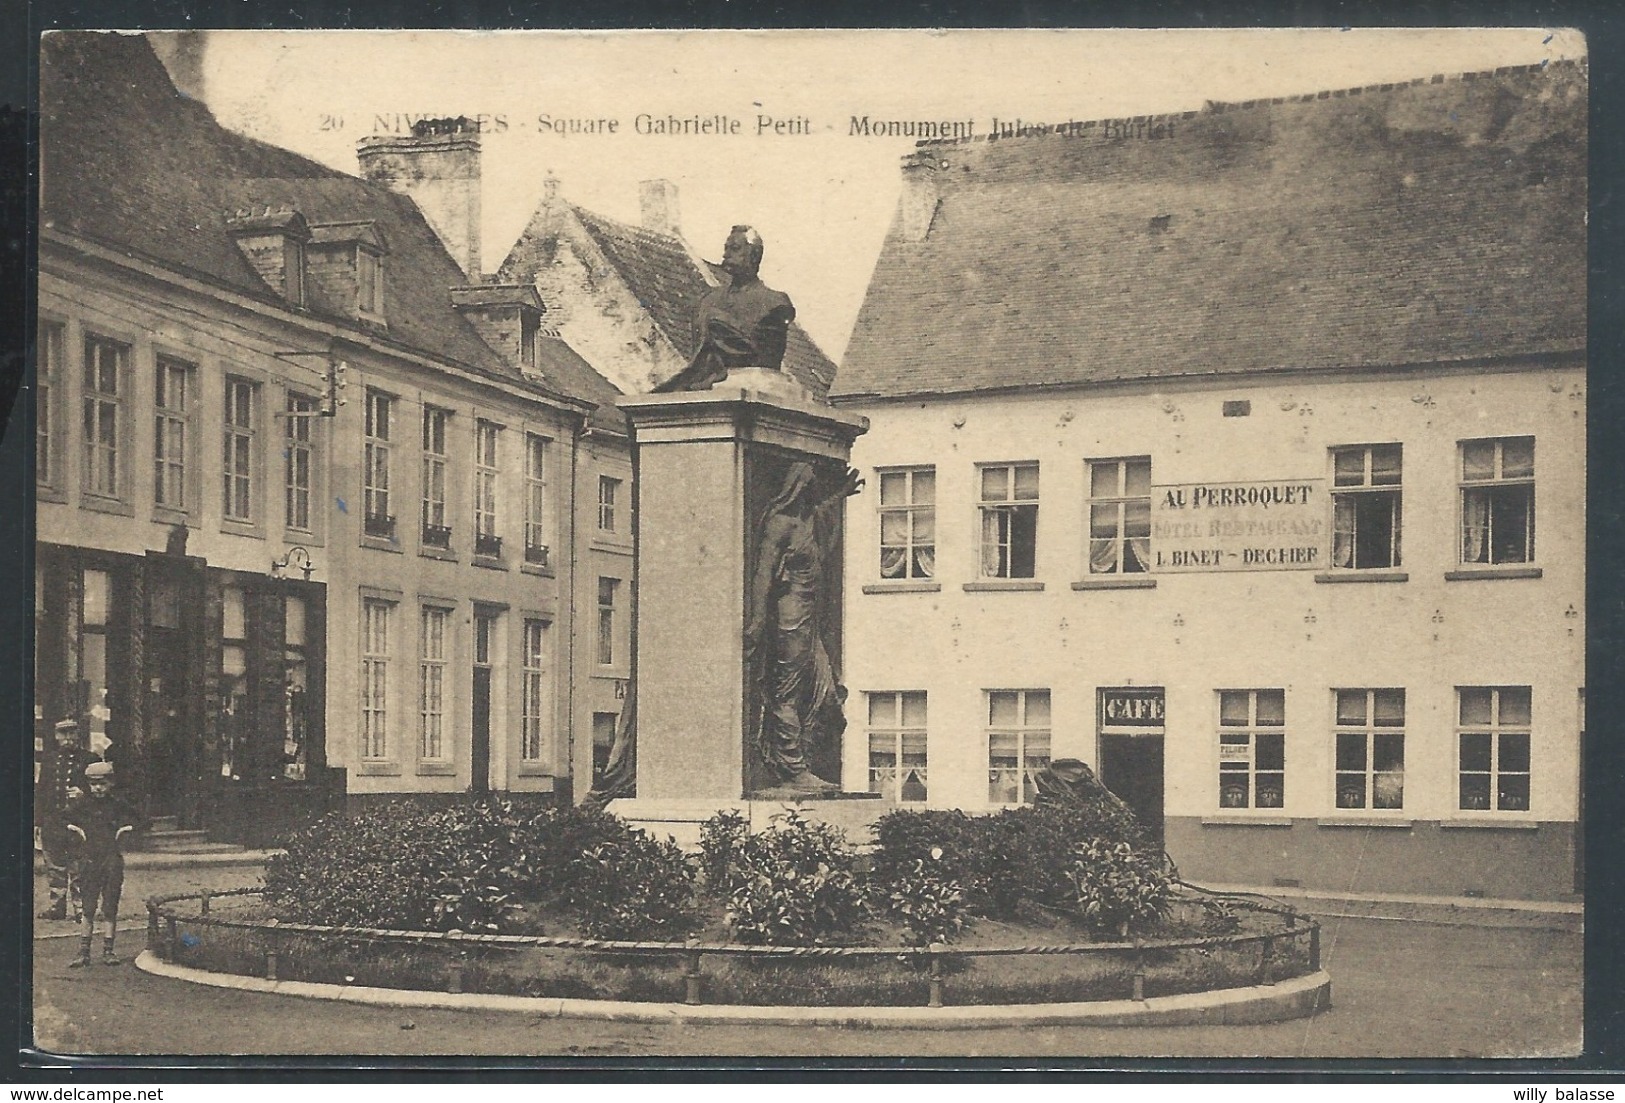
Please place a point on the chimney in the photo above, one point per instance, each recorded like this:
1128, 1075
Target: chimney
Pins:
918, 207
438, 166
658, 201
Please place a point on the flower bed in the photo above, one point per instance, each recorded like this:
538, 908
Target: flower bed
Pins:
1031, 906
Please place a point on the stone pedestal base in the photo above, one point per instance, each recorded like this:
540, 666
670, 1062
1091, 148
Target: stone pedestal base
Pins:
854, 813
709, 463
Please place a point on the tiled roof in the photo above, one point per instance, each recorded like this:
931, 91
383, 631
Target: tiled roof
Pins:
132, 164
661, 273
1430, 221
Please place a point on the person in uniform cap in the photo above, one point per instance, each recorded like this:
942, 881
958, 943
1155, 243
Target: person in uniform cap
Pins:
61, 779
100, 820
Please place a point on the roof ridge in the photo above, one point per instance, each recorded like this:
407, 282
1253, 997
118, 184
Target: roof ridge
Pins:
1219, 107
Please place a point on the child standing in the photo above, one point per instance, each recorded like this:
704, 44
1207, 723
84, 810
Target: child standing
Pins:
100, 820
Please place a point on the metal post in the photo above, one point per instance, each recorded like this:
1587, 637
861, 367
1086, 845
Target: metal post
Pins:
692, 975
936, 975
270, 955
203, 905
154, 939
1139, 971
1314, 948
174, 940
1265, 956
454, 971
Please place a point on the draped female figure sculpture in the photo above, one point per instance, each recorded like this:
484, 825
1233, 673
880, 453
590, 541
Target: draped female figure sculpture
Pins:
796, 693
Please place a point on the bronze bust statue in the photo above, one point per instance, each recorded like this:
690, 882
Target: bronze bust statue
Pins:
742, 324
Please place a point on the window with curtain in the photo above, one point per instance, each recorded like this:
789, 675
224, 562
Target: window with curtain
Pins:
1008, 509
1018, 743
377, 519
240, 431
908, 522
1366, 499
171, 431
105, 379
1498, 500
436, 527
1120, 516
432, 682
897, 747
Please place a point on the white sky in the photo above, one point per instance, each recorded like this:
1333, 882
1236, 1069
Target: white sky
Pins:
822, 200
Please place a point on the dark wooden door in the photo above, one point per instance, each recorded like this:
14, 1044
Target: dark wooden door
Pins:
1131, 767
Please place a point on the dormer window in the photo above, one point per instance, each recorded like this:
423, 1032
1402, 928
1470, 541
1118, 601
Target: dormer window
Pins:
508, 318
346, 270
272, 240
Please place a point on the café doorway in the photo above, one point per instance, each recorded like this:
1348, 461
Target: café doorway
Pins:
1131, 751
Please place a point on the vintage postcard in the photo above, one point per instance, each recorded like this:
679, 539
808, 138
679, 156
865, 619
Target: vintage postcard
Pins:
996, 544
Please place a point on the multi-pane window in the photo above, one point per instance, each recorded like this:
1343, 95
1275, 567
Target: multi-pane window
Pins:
908, 523
47, 379
536, 542
171, 399
534, 715
1120, 516
238, 446
486, 540
1009, 515
377, 520
1252, 748
432, 682
1366, 499
436, 529
1017, 743
1370, 748
299, 457
106, 364
897, 760
1498, 500
375, 617
608, 588
609, 490
1493, 735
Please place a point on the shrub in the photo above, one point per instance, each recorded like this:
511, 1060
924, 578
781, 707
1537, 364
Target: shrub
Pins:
721, 836
794, 884
930, 904
408, 865
1116, 886
634, 888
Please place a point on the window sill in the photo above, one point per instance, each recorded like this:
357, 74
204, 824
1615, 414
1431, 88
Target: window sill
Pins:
922, 587
1362, 821
1116, 582
1362, 576
379, 543
437, 769
620, 545
308, 539
106, 505
538, 571
1246, 821
1490, 825
1476, 574
1002, 585
243, 528
488, 563
163, 515
49, 494
444, 554
378, 769
533, 769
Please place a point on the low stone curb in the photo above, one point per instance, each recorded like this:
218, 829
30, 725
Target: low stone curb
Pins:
1287, 999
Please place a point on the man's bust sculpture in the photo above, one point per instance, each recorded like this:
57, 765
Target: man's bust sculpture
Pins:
742, 324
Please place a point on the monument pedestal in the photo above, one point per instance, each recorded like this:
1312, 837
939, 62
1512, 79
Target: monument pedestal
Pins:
709, 464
